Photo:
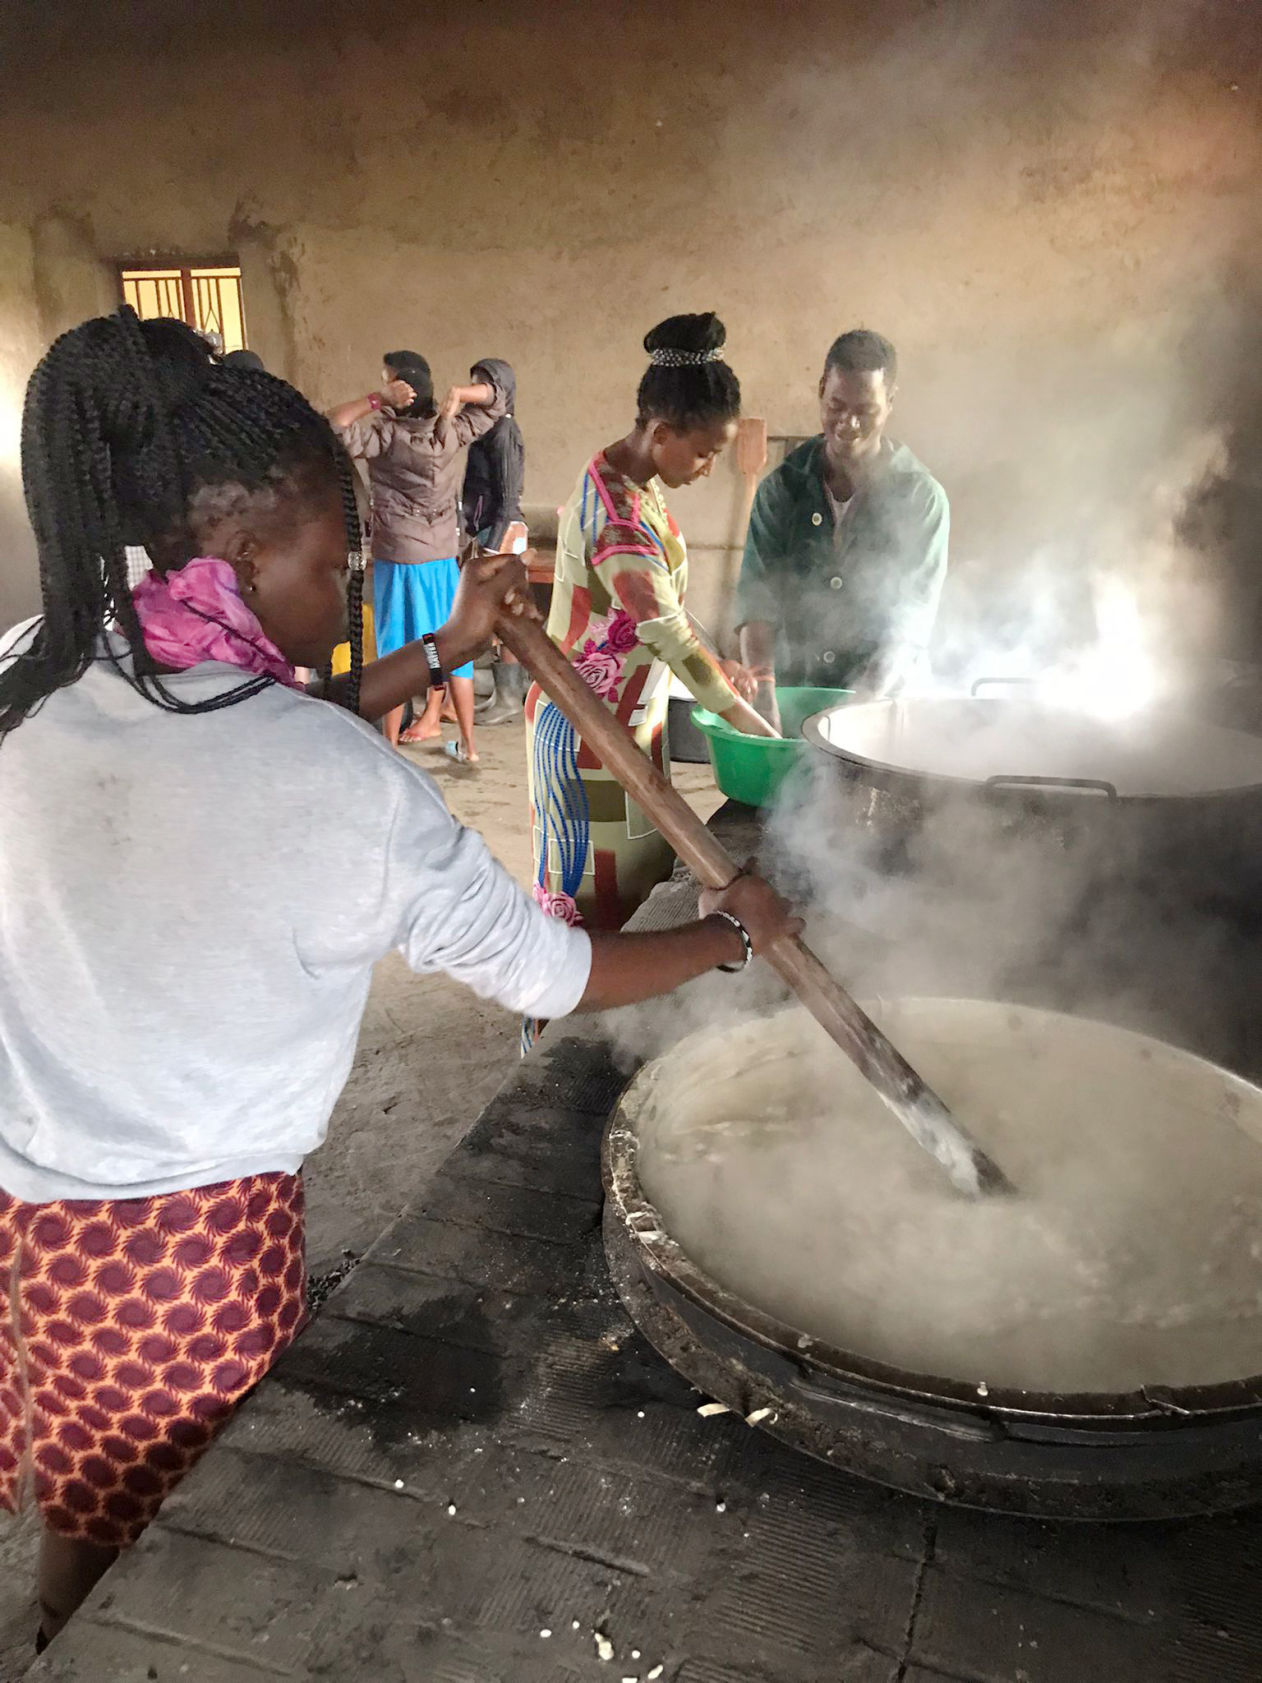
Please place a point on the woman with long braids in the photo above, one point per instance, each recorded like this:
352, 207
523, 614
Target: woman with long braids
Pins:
617, 611
185, 950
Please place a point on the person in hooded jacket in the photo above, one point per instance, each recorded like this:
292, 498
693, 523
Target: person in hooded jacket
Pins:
495, 471
494, 480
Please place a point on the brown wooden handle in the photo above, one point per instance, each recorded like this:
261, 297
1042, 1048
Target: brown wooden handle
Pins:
618, 751
917, 1107
747, 504
751, 445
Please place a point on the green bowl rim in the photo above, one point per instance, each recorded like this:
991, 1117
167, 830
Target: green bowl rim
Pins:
716, 729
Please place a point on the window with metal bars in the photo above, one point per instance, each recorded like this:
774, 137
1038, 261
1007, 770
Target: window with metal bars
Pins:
207, 298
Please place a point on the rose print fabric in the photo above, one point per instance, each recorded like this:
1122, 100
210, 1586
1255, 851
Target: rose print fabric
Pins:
617, 612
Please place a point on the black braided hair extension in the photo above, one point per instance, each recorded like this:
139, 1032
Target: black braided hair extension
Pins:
354, 581
692, 393
124, 423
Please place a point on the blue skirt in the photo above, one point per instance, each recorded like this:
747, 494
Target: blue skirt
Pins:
410, 598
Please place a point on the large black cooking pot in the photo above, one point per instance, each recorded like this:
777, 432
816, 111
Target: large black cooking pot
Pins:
1151, 1452
1159, 797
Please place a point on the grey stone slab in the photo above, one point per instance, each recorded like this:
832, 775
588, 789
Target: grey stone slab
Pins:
639, 1424
590, 1309
387, 1646
89, 1652
1128, 1571
295, 1512
407, 1382
794, 1505
851, 1664
383, 1577
552, 1157
521, 1586
192, 1588
1212, 1654
577, 1381
990, 1633
570, 1072
810, 1605
478, 1317
339, 1434
390, 1647
478, 1257
918, 1674
497, 1593
515, 1210
577, 1505
1218, 1633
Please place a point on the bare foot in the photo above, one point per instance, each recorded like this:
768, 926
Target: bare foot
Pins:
416, 733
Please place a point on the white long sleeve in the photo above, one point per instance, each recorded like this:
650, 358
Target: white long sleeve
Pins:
190, 909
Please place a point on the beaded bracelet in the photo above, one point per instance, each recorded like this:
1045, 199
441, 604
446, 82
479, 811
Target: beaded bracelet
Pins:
437, 677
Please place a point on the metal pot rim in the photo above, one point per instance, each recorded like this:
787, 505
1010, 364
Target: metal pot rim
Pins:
883, 774
1157, 1407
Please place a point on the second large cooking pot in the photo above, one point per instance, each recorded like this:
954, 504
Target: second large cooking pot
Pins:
1157, 795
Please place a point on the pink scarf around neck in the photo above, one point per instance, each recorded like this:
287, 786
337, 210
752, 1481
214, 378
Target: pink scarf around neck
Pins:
197, 614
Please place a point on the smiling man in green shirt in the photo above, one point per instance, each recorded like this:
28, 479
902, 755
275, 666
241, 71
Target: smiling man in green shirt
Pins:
847, 546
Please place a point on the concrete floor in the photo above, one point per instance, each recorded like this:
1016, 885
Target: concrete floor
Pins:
424, 1037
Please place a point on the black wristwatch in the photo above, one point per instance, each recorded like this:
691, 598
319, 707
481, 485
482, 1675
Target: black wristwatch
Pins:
437, 677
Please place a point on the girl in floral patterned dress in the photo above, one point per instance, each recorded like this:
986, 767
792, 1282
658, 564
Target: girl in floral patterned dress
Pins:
617, 612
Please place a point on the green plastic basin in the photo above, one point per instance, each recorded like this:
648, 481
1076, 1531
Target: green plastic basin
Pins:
752, 768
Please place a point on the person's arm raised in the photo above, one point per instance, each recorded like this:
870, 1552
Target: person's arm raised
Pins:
479, 396
397, 395
467, 412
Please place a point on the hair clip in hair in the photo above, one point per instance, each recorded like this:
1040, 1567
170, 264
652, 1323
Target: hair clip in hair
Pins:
356, 560
683, 359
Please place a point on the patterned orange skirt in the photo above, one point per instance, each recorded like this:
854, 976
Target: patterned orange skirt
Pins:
128, 1332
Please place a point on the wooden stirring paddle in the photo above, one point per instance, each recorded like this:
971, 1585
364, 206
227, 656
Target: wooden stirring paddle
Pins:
916, 1105
751, 459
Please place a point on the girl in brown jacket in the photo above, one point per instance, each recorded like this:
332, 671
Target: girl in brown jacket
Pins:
414, 449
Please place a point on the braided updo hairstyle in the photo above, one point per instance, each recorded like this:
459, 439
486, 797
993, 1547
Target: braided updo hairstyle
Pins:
127, 426
687, 383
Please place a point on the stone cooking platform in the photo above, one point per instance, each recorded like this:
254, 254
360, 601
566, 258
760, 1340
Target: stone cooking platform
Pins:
472, 1469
